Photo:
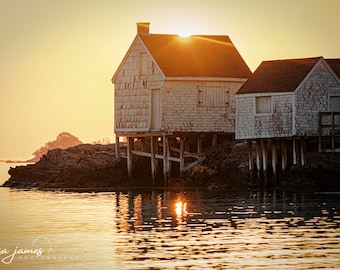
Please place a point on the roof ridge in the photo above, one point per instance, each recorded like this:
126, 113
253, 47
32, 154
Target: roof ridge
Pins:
193, 35
294, 59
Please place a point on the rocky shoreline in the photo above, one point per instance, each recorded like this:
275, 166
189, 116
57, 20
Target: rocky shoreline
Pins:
88, 167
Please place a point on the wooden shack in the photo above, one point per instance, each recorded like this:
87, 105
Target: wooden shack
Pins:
173, 94
282, 103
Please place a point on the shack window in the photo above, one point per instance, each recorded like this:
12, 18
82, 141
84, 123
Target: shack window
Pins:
263, 105
213, 97
335, 104
143, 63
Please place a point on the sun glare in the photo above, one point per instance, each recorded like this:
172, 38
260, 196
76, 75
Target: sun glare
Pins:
184, 34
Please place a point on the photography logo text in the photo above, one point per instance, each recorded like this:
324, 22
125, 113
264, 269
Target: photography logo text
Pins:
8, 256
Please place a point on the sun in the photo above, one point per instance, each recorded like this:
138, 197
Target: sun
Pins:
184, 34
184, 31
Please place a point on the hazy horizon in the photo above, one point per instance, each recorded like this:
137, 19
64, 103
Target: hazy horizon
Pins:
58, 57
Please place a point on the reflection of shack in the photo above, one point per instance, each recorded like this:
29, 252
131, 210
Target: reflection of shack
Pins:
176, 95
280, 104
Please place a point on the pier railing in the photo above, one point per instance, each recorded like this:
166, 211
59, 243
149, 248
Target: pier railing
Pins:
329, 131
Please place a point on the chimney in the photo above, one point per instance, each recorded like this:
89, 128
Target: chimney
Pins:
143, 28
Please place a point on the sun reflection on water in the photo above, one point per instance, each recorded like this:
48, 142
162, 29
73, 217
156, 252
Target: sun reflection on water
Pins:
181, 214
181, 208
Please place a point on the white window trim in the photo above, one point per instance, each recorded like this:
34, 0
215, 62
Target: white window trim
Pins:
264, 113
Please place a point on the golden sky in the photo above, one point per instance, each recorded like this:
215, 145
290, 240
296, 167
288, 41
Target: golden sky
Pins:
57, 57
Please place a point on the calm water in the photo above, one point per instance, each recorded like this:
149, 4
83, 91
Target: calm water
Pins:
168, 230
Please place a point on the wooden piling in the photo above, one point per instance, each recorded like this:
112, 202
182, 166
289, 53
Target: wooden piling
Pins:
166, 150
258, 160
250, 159
294, 151
303, 153
154, 146
117, 147
214, 140
264, 160
130, 146
143, 144
181, 155
283, 155
274, 160
199, 145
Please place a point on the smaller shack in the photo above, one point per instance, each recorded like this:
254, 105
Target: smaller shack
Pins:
286, 102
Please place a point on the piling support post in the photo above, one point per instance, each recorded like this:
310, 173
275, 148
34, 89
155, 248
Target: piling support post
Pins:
130, 147
303, 153
274, 161
258, 160
169, 168
153, 141
181, 155
264, 159
143, 144
250, 159
117, 147
214, 140
333, 131
294, 151
320, 132
199, 145
165, 159
284, 155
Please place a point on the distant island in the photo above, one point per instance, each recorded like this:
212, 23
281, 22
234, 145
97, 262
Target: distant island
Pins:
63, 141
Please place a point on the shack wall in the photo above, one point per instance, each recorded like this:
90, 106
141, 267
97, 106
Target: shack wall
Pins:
314, 97
195, 106
278, 123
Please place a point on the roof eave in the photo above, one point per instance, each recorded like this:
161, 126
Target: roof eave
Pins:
123, 60
192, 78
137, 37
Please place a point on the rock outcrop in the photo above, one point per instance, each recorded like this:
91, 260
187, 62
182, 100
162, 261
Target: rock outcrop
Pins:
95, 167
82, 166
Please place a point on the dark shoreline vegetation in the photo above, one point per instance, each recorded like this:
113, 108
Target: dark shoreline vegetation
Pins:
89, 167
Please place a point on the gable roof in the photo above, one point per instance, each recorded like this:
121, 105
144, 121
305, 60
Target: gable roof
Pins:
196, 56
279, 75
334, 65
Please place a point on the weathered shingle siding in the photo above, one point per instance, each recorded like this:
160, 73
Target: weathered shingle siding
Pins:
250, 125
183, 113
313, 97
132, 91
